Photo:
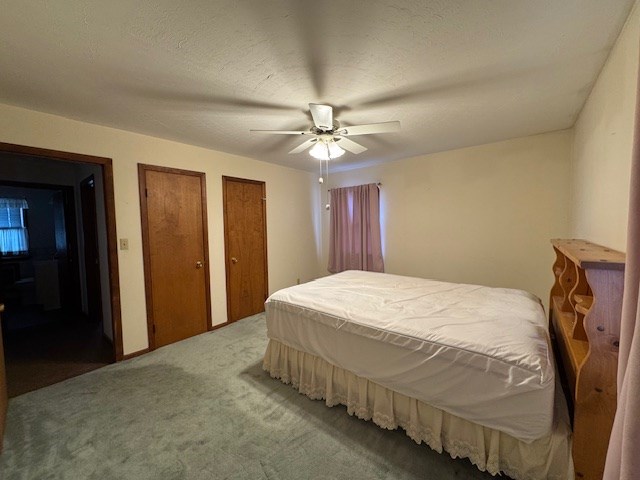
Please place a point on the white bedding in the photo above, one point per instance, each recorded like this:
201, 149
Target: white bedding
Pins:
480, 353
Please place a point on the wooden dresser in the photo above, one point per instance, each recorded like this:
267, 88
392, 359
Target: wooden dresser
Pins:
585, 309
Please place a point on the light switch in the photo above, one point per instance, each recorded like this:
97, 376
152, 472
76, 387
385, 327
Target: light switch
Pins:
124, 244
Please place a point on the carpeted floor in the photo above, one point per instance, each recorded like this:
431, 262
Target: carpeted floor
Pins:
203, 409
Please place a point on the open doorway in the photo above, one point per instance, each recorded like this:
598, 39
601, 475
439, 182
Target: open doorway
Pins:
57, 262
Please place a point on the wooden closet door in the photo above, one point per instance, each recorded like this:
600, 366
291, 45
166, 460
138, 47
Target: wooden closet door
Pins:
175, 251
245, 246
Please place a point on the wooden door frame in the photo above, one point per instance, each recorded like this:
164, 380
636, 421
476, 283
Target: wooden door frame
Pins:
106, 164
226, 179
146, 254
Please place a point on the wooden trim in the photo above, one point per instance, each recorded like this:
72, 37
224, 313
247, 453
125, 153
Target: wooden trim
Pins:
242, 180
266, 262
146, 254
205, 244
129, 356
110, 213
112, 245
226, 179
53, 154
177, 171
225, 224
220, 325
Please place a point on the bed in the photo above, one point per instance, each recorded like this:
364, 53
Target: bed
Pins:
464, 368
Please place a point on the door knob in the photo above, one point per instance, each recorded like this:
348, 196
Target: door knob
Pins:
199, 264
234, 260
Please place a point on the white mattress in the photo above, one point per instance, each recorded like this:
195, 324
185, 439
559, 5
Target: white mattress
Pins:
480, 353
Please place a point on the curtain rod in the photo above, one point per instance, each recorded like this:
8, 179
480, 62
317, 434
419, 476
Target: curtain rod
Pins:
379, 184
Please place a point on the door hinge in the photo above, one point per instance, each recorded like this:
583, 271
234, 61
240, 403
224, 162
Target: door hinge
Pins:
146, 192
153, 328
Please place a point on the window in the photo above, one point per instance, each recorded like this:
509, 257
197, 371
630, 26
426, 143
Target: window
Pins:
14, 238
355, 242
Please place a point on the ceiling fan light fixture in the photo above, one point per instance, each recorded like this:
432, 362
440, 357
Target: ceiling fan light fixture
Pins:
327, 132
326, 150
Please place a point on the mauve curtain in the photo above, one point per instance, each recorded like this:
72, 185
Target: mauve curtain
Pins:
623, 456
354, 235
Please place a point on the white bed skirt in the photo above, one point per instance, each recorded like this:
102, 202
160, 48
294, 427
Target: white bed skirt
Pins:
490, 450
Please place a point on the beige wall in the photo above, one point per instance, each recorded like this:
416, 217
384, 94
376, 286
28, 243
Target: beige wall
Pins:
479, 215
291, 234
482, 214
601, 157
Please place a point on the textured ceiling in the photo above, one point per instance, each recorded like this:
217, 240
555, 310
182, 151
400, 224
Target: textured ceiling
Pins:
454, 72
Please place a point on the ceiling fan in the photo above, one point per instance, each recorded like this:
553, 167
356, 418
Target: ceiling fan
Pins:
329, 140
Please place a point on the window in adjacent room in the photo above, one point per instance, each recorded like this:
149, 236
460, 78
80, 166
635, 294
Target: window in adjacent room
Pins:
14, 237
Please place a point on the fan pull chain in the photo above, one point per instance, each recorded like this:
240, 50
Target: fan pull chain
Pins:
328, 205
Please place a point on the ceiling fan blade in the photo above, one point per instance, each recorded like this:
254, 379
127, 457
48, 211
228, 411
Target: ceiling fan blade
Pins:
383, 127
283, 132
350, 145
303, 146
322, 116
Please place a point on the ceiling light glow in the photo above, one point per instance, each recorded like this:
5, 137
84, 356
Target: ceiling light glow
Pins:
326, 151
